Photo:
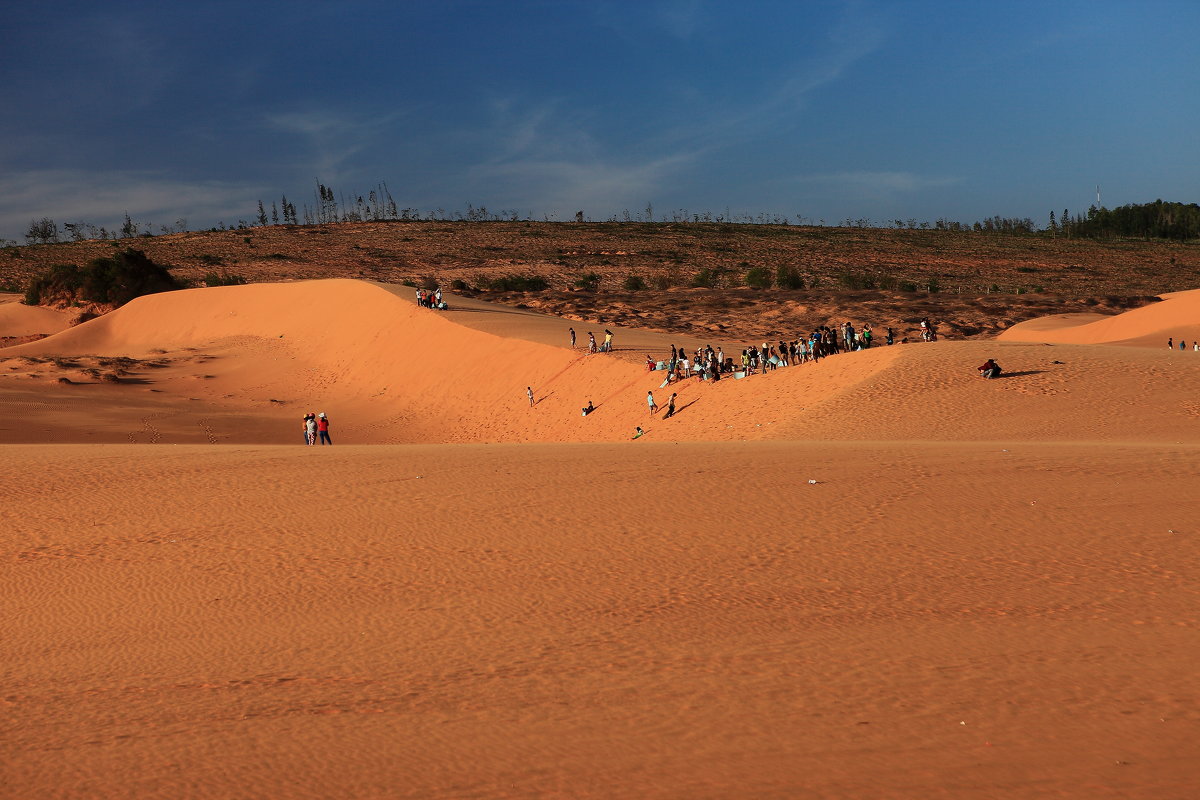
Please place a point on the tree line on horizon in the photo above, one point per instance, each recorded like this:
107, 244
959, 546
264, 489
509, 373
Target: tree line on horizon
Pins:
1157, 220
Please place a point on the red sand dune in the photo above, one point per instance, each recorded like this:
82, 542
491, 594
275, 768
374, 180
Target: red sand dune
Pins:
17, 319
1177, 317
390, 372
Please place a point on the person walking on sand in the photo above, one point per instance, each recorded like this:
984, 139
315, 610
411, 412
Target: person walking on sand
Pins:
670, 406
1170, 342
650, 402
323, 429
572, 332
608, 340
529, 394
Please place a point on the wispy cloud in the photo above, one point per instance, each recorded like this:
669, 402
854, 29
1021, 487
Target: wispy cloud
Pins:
880, 184
547, 154
101, 198
330, 139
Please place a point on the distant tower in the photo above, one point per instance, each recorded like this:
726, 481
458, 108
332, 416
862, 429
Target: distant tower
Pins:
1098, 196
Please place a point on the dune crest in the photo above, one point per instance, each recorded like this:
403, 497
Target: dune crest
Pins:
1177, 317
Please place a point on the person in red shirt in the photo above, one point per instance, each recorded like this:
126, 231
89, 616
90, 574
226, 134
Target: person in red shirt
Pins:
323, 428
990, 369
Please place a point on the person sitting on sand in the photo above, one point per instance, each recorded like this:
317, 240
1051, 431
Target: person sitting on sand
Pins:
589, 408
990, 369
638, 432
650, 362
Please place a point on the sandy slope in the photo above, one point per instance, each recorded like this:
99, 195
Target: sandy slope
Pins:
1177, 317
18, 320
991, 590
242, 364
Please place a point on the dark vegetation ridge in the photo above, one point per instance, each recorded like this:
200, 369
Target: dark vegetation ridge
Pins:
685, 276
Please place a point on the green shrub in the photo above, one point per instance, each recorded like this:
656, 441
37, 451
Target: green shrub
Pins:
634, 283
758, 278
459, 285
788, 278
114, 280
589, 282
707, 279
856, 280
213, 279
517, 283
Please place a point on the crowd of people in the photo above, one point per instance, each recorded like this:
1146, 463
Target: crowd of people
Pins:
426, 299
824, 341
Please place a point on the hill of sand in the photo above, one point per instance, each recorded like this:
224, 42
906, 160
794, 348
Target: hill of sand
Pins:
1177, 317
244, 363
22, 322
873, 576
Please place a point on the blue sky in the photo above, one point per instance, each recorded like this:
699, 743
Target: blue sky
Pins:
826, 110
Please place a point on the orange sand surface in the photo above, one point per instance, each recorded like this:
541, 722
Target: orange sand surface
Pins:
990, 590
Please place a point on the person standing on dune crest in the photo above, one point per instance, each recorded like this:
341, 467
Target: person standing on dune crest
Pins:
323, 429
572, 332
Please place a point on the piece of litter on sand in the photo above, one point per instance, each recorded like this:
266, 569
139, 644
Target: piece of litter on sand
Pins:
810, 480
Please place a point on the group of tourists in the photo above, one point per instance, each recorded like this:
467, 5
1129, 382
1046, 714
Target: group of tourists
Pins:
592, 347
432, 299
316, 425
1183, 344
709, 364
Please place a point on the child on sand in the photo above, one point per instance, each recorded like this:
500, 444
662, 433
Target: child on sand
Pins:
650, 402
